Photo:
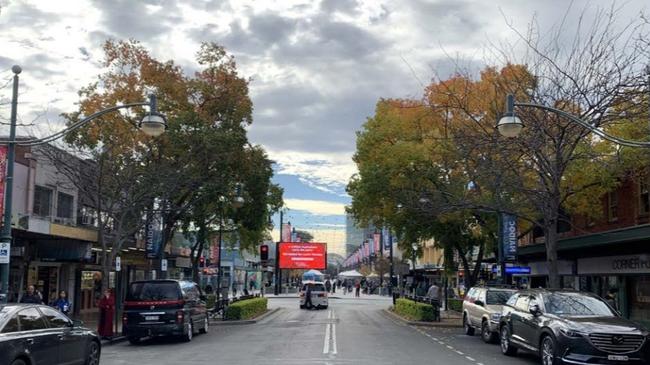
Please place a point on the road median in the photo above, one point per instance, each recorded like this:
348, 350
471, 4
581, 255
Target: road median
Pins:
445, 322
259, 318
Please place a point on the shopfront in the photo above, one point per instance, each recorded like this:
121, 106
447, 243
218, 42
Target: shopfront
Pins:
629, 275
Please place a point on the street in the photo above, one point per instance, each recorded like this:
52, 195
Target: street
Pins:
350, 331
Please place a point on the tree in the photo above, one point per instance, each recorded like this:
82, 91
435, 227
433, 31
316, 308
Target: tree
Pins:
304, 236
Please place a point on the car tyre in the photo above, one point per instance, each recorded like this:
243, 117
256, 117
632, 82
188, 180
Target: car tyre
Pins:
325, 307
469, 330
133, 340
487, 335
302, 306
548, 351
94, 351
507, 348
19, 362
189, 333
206, 324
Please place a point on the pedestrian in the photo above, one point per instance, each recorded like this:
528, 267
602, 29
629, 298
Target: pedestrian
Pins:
106, 311
251, 285
53, 298
610, 298
357, 289
334, 288
308, 303
62, 303
31, 296
234, 289
434, 292
328, 286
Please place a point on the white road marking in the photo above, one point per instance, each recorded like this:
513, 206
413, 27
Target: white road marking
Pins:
449, 347
479, 363
470, 358
459, 352
326, 344
334, 350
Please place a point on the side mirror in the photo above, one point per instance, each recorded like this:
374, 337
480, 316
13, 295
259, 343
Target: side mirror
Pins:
77, 323
479, 302
534, 310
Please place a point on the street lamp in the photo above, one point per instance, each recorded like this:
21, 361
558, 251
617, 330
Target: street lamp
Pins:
237, 202
153, 124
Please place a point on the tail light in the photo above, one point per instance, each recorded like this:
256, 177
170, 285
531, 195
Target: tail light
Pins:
321, 295
125, 319
179, 317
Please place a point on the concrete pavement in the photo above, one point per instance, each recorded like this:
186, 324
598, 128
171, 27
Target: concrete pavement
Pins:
351, 331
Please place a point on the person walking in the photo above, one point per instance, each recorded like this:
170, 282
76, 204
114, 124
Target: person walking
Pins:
234, 288
328, 286
31, 296
62, 303
308, 303
357, 289
610, 298
106, 311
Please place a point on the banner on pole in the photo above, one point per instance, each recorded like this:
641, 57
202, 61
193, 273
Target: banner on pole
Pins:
153, 235
3, 168
509, 237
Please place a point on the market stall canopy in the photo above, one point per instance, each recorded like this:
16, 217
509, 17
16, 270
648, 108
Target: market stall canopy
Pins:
373, 275
314, 275
351, 274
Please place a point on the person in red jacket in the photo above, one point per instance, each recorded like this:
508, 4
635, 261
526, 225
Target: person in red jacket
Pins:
106, 311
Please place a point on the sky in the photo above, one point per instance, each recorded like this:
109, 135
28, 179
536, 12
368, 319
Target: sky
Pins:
317, 68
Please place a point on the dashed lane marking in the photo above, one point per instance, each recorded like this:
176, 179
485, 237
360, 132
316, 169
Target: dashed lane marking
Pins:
470, 358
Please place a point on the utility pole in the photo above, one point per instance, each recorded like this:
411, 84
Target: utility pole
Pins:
5, 237
278, 274
390, 240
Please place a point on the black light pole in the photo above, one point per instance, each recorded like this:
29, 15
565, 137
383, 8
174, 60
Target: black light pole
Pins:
152, 124
219, 276
390, 252
278, 277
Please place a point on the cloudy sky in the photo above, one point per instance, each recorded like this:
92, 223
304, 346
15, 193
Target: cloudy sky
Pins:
317, 67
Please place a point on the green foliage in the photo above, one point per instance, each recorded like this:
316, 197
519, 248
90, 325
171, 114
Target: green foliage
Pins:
414, 311
210, 300
455, 304
246, 309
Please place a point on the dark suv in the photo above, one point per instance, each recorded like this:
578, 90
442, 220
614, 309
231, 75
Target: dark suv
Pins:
163, 307
571, 327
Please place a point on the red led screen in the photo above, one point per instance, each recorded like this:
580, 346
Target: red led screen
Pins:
303, 255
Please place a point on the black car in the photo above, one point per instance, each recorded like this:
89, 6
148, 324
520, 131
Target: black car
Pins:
164, 307
571, 327
36, 334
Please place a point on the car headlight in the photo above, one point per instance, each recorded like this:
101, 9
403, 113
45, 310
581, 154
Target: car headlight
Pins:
571, 332
495, 317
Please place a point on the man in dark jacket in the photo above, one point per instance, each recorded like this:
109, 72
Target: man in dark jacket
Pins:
308, 303
31, 296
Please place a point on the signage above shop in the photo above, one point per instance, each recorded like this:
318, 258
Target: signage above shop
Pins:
630, 264
512, 269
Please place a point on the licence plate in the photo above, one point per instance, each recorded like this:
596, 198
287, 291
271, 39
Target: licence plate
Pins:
617, 358
151, 318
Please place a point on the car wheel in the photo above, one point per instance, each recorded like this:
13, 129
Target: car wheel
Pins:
134, 340
93, 353
487, 335
302, 306
206, 324
18, 362
189, 333
506, 346
469, 330
325, 307
547, 351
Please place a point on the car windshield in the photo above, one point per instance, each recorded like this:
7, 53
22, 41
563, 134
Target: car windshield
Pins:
314, 287
154, 291
576, 304
498, 297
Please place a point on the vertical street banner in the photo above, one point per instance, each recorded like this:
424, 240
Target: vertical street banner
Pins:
153, 235
509, 237
214, 249
3, 168
286, 232
376, 240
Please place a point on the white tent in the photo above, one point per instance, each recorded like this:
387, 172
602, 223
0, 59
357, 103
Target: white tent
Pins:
313, 275
350, 274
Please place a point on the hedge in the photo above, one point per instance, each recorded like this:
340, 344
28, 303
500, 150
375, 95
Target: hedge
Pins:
210, 300
414, 311
455, 304
246, 309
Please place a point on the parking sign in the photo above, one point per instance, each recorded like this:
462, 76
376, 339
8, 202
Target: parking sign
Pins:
5, 252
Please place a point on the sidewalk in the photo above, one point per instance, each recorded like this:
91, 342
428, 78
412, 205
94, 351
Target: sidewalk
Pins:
91, 321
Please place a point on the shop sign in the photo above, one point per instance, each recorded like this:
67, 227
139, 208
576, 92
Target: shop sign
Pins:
5, 252
184, 262
509, 237
630, 264
540, 268
118, 263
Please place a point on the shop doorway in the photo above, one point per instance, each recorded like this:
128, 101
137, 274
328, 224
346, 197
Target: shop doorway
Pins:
45, 278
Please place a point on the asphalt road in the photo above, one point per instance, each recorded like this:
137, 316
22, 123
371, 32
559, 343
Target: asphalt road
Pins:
351, 331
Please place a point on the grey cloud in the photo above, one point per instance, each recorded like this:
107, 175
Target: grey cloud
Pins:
27, 15
131, 19
344, 6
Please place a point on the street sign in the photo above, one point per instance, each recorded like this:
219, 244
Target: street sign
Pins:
163, 265
5, 252
509, 237
118, 263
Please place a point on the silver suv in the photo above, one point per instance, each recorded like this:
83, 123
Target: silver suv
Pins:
482, 309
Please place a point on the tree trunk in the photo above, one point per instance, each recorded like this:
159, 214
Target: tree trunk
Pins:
550, 238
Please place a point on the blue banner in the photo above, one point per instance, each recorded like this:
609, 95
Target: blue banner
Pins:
509, 237
153, 235
385, 234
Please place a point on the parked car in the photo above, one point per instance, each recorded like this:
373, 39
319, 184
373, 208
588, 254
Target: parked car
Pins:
571, 327
482, 309
319, 297
37, 334
164, 307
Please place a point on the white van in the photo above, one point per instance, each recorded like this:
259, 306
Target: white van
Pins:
318, 294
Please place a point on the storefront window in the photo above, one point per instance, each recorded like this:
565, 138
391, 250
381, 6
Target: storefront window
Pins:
640, 298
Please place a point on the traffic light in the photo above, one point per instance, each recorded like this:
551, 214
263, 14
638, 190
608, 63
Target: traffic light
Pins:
264, 253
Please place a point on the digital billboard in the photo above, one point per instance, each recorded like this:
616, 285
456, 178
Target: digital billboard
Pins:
303, 255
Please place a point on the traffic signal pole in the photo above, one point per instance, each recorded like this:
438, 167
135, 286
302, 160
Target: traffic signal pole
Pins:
278, 274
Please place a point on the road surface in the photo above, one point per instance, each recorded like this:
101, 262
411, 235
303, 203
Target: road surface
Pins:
351, 331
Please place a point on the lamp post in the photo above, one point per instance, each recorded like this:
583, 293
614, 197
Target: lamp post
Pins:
237, 202
152, 124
